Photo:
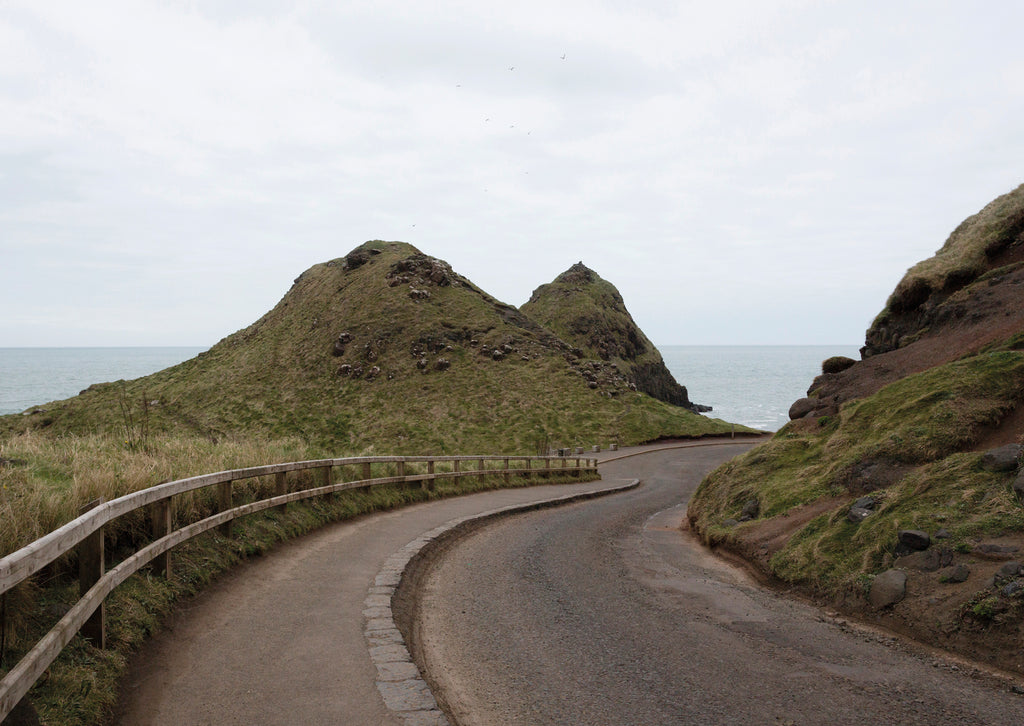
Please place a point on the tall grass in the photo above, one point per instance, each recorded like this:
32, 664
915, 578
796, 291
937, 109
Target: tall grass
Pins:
54, 477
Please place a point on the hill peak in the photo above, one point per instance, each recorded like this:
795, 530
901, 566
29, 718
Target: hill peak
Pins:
589, 314
578, 274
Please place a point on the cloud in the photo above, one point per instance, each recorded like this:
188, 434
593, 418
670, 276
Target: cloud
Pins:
765, 171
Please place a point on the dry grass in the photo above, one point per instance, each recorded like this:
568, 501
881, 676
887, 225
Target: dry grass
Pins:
61, 474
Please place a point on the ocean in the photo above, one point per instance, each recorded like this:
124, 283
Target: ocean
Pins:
750, 385
33, 376
753, 385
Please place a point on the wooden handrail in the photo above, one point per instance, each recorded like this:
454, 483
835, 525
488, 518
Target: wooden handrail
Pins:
23, 563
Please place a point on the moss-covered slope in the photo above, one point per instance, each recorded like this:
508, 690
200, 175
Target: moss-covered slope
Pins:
905, 440
386, 349
588, 313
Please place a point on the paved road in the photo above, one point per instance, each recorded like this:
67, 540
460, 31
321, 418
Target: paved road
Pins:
280, 641
601, 613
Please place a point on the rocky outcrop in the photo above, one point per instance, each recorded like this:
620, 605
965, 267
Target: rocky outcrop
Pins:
963, 300
588, 313
930, 295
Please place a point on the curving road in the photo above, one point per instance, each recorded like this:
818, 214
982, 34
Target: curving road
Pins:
281, 639
602, 613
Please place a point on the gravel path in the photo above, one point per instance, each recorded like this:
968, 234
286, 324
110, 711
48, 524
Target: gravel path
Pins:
603, 613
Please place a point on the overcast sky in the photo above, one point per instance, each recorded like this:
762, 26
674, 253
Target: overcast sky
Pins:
744, 172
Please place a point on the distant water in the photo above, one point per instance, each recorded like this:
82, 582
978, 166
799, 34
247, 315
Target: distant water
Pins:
33, 376
752, 385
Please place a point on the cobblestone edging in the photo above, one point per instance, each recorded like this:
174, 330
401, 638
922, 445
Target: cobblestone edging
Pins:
404, 691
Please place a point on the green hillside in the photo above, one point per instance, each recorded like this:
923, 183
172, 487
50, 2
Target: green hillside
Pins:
589, 313
388, 350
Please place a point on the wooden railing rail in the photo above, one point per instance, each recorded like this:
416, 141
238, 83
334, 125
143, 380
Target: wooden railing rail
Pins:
85, 534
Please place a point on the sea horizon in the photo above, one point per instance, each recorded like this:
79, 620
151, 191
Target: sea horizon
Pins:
749, 384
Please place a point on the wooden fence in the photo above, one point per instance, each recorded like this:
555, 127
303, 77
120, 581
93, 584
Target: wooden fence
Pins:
85, 534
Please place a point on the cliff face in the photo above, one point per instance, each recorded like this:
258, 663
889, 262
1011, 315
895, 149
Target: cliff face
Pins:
589, 314
390, 348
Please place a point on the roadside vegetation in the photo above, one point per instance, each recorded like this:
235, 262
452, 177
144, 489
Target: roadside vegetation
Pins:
908, 446
908, 459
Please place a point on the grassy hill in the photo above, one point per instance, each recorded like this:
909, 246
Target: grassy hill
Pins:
389, 350
589, 313
914, 434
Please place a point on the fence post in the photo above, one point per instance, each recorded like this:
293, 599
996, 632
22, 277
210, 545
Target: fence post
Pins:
224, 504
327, 478
480, 464
529, 465
91, 566
455, 465
431, 482
401, 467
507, 477
162, 512
281, 487
366, 470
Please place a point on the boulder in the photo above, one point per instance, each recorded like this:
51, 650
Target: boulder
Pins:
914, 540
836, 364
1005, 458
750, 510
801, 407
866, 503
730, 522
957, 573
1008, 570
888, 589
858, 514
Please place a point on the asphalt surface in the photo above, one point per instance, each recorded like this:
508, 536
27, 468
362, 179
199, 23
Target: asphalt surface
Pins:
281, 640
604, 613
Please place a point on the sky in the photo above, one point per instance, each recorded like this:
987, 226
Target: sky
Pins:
744, 173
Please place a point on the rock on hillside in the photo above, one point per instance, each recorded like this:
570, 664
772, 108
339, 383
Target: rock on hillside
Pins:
965, 299
906, 464
589, 314
386, 349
